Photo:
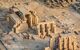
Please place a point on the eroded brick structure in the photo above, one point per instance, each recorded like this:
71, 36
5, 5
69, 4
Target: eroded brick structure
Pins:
16, 23
17, 20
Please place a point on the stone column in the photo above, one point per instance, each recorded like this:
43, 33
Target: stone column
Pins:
45, 29
52, 42
36, 20
65, 43
70, 43
38, 30
60, 43
55, 30
48, 29
52, 28
75, 43
33, 20
44, 33
29, 20
41, 31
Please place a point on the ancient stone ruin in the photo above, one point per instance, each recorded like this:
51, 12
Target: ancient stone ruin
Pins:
39, 25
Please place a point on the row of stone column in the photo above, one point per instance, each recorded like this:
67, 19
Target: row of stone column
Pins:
44, 29
31, 20
67, 43
63, 43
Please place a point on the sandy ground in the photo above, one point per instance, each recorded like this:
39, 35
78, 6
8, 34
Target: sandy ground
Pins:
67, 16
